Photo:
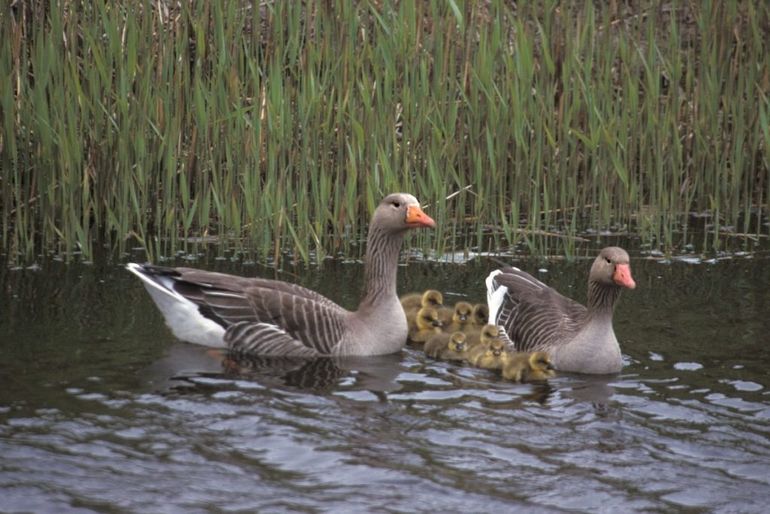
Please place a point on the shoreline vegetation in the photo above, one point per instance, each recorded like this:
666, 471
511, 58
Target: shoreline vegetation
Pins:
271, 127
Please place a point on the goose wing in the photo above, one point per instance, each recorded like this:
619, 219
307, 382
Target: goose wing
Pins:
261, 316
534, 315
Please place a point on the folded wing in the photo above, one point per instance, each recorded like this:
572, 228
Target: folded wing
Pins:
534, 315
261, 316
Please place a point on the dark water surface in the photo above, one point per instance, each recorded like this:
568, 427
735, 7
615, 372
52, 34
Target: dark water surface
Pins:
102, 410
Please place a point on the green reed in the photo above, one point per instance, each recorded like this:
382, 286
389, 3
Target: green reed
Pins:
274, 127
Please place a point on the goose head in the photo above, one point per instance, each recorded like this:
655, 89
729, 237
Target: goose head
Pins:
400, 211
612, 268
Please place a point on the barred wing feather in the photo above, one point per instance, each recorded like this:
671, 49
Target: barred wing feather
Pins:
534, 316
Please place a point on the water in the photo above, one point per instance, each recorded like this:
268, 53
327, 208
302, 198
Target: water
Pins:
101, 410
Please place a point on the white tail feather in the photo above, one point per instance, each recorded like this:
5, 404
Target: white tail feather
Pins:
495, 296
181, 315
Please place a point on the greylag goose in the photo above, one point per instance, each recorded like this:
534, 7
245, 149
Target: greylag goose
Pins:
490, 353
528, 367
450, 347
269, 317
456, 318
536, 317
426, 324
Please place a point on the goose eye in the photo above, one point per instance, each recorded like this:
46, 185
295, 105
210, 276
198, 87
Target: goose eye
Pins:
396, 204
608, 260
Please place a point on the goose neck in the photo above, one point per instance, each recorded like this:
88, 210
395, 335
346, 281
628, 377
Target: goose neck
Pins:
381, 265
602, 299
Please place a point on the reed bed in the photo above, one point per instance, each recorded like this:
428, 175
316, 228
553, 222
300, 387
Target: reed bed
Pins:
275, 127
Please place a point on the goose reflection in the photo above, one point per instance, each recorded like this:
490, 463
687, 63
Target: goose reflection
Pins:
596, 389
377, 374
186, 367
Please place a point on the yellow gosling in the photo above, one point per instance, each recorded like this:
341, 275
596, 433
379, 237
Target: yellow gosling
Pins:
446, 346
528, 367
480, 315
489, 355
429, 298
484, 335
413, 302
458, 318
426, 324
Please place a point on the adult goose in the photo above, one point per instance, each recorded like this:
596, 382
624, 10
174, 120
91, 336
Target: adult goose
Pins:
537, 318
269, 317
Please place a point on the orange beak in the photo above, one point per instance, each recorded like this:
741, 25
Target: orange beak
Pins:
622, 276
416, 218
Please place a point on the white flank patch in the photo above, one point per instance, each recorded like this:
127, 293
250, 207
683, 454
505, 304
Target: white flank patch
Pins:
182, 315
495, 296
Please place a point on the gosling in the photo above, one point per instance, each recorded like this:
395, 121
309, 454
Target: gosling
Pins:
426, 324
429, 298
458, 318
528, 367
413, 302
480, 314
483, 335
489, 355
448, 347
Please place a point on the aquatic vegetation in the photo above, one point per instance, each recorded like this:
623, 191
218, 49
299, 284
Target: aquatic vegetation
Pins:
276, 127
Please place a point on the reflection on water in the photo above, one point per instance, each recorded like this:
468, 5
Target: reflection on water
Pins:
101, 409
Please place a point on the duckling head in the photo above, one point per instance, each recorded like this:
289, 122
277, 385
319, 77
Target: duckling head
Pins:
457, 342
540, 362
480, 314
432, 298
490, 333
427, 319
462, 313
497, 347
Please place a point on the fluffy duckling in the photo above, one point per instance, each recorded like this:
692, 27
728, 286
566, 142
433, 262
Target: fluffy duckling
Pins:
483, 335
480, 315
426, 324
490, 355
528, 367
429, 298
449, 347
413, 302
457, 318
